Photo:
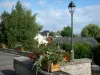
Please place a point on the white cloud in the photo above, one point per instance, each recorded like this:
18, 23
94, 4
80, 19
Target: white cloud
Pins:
42, 2
52, 19
26, 4
56, 19
9, 4
84, 16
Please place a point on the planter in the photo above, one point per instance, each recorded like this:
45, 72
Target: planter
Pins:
52, 67
20, 48
55, 67
3, 46
67, 56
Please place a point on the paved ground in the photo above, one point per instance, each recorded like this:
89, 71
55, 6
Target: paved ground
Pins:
95, 70
6, 64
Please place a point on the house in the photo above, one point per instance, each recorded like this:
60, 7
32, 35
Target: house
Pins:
58, 34
89, 40
45, 33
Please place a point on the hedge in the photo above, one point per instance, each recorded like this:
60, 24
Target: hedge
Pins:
96, 54
81, 50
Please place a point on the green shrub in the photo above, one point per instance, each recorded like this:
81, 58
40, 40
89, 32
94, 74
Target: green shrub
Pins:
82, 50
96, 54
66, 47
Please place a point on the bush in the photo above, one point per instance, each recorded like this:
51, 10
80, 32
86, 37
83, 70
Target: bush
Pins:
66, 47
80, 50
96, 54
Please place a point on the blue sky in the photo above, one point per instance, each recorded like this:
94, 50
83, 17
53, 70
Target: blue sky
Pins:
54, 14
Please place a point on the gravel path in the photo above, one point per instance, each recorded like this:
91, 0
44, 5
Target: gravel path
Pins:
95, 70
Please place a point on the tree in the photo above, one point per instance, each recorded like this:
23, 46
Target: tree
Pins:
21, 27
91, 30
67, 31
52, 34
39, 27
3, 36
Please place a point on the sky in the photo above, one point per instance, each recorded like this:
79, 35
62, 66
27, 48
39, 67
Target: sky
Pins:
54, 14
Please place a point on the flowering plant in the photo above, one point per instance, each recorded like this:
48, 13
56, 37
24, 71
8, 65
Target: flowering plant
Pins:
52, 53
67, 56
31, 56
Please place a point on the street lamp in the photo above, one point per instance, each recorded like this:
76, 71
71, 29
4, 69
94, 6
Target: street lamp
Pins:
71, 8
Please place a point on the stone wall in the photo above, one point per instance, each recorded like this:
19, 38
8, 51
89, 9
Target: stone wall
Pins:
78, 67
24, 66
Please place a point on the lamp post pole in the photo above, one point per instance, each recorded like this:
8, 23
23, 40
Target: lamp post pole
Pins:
72, 46
71, 10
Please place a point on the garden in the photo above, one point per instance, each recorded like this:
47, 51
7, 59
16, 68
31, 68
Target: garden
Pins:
19, 28
51, 57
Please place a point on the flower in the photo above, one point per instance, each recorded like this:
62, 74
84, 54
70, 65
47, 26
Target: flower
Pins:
31, 56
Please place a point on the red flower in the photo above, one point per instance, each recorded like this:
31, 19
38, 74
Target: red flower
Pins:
33, 57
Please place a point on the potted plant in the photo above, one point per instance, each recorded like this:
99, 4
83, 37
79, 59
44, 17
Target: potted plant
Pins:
3, 45
51, 58
67, 56
19, 47
35, 53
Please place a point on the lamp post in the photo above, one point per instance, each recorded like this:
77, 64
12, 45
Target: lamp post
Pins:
71, 8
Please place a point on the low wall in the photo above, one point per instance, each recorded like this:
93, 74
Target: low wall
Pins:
78, 67
24, 66
14, 51
6, 50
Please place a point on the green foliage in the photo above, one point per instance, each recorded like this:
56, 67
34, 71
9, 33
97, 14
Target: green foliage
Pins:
67, 31
96, 54
66, 47
38, 50
20, 27
40, 27
82, 50
91, 30
52, 34
3, 35
52, 53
